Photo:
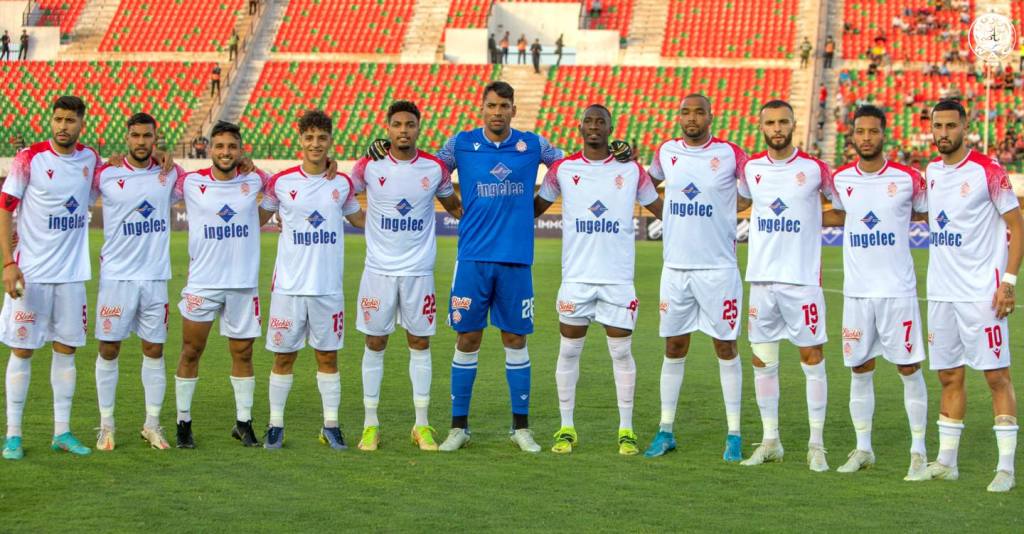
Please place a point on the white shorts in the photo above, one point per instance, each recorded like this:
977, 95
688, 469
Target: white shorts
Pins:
46, 312
612, 305
967, 333
126, 306
786, 311
239, 310
708, 300
409, 299
882, 326
296, 318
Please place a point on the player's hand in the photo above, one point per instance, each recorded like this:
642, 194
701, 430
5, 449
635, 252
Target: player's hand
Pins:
14, 281
622, 151
165, 159
1003, 301
245, 164
332, 169
378, 149
116, 159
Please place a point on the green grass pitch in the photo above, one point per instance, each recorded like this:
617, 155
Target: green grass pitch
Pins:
490, 485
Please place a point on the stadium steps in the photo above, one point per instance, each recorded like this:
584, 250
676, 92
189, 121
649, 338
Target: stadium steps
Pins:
529, 88
646, 33
804, 91
92, 25
252, 63
423, 36
834, 28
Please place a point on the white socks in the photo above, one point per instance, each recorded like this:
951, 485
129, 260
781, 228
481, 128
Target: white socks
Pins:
766, 389
106, 389
154, 386
280, 385
1006, 440
373, 374
420, 374
62, 379
329, 385
949, 440
624, 369
184, 388
19, 371
817, 399
245, 387
672, 372
862, 407
915, 400
567, 373
730, 373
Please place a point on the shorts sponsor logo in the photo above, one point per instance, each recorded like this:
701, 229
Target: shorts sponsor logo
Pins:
278, 338
566, 306
107, 326
280, 324
456, 316
193, 302
847, 349
369, 303
852, 334
110, 311
24, 317
366, 315
461, 303
22, 332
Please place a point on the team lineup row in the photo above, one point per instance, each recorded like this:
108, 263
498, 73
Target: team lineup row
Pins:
966, 199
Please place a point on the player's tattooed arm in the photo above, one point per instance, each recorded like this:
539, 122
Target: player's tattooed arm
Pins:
833, 217
1005, 299
540, 206
656, 207
453, 205
357, 219
14, 280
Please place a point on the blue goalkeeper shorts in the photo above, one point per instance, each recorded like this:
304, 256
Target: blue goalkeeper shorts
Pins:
503, 289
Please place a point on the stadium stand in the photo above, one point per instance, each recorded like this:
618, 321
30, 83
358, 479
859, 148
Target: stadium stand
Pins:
615, 14
707, 28
448, 96
644, 101
63, 12
469, 13
172, 26
112, 91
907, 28
356, 26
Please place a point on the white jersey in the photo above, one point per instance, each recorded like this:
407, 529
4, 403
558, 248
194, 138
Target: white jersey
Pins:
137, 221
785, 223
700, 202
598, 198
876, 240
400, 236
54, 193
968, 239
223, 230
311, 247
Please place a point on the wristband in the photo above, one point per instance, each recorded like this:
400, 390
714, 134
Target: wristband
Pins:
1010, 279
8, 264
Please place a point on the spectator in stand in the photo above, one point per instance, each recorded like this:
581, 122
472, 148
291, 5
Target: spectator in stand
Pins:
805, 52
822, 96
535, 50
199, 144
492, 50
521, 47
830, 51
559, 44
504, 48
595, 10
5, 47
233, 46
23, 50
215, 80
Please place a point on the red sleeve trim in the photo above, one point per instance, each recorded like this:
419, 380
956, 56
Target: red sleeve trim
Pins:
9, 202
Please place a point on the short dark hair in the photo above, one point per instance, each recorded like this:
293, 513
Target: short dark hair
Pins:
226, 127
315, 118
868, 110
70, 103
776, 104
950, 104
502, 89
699, 95
407, 106
140, 118
600, 107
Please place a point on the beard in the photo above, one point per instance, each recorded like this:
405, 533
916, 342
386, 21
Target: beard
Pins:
145, 154
233, 166
779, 146
954, 145
868, 155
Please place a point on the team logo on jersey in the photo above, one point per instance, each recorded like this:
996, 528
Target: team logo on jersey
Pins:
280, 324
120, 183
145, 209
501, 171
49, 172
674, 159
85, 172
521, 146
335, 195
663, 306
425, 182
715, 163
22, 332
566, 306
891, 189
403, 207
476, 146
162, 177
293, 193
315, 219
757, 178
110, 311
965, 189
597, 208
370, 303
852, 334
381, 180
24, 317
461, 303
941, 219
849, 190
619, 180
691, 191
245, 189
107, 326
778, 206
801, 178
576, 179
226, 213
71, 205
278, 338
870, 220
202, 188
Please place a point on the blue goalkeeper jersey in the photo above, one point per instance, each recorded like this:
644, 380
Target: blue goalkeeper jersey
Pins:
497, 182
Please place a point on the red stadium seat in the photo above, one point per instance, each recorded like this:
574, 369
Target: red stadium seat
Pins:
708, 28
172, 26
344, 26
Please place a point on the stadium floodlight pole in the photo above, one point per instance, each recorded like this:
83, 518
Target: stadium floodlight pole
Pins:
992, 39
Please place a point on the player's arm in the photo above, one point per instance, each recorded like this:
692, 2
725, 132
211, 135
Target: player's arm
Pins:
13, 190
357, 219
833, 217
540, 206
655, 207
743, 197
446, 194
1005, 298
647, 194
265, 216
549, 191
351, 209
453, 205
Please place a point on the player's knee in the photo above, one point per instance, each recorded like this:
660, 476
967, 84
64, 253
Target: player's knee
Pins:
283, 363
725, 350
24, 354
620, 348
327, 362
376, 343
811, 355
907, 370
108, 350
999, 380
952, 378
191, 351
677, 346
418, 342
469, 341
511, 341
765, 354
